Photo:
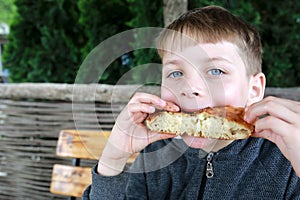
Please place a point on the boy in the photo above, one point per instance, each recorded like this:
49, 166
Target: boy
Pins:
218, 63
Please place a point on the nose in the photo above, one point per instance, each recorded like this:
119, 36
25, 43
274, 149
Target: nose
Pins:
193, 85
192, 90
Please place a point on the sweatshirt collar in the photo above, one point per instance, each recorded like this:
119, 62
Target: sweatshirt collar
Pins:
236, 148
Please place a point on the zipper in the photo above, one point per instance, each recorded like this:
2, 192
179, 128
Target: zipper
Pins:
209, 173
209, 166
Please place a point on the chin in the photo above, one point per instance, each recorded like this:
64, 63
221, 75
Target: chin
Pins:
199, 143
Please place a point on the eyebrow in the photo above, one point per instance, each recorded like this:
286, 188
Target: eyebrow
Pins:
173, 62
206, 60
218, 58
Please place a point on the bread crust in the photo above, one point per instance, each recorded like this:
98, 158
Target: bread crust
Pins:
219, 123
235, 114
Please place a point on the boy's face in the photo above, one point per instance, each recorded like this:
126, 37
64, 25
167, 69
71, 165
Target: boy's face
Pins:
206, 75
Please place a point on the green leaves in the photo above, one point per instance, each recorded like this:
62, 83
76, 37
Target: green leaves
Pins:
49, 40
280, 33
44, 42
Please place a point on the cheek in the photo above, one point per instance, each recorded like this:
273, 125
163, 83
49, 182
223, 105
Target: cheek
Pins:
216, 92
169, 94
230, 91
235, 95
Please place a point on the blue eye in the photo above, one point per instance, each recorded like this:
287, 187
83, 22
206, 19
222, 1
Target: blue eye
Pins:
215, 72
176, 74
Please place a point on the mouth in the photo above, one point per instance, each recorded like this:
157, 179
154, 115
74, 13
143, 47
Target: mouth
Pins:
192, 109
188, 107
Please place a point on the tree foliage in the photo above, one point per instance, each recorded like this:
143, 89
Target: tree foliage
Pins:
44, 43
280, 32
146, 14
50, 39
100, 20
7, 7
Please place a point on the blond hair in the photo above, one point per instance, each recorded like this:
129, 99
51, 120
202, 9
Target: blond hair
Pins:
214, 24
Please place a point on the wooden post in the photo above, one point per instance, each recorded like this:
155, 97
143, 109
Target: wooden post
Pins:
4, 31
173, 9
1, 70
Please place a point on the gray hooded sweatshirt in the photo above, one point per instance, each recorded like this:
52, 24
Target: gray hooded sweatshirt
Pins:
169, 169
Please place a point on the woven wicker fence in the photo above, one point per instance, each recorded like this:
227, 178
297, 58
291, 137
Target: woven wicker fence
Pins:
31, 116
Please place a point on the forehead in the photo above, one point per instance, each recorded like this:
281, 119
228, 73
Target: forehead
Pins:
205, 52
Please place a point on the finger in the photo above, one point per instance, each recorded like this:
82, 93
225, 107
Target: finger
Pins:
262, 134
283, 143
147, 99
269, 135
275, 107
140, 107
153, 136
139, 141
286, 102
273, 124
139, 117
155, 101
171, 107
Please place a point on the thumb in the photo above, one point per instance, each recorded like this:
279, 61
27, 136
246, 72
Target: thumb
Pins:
154, 136
266, 134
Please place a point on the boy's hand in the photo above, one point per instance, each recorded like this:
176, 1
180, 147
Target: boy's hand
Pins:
129, 134
278, 120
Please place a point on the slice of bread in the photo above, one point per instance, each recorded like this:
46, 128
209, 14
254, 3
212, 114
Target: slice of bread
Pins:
219, 123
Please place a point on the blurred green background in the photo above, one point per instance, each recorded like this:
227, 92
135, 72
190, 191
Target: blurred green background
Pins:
49, 39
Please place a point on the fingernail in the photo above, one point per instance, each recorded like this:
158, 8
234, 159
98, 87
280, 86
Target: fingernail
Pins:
163, 103
152, 109
176, 108
245, 118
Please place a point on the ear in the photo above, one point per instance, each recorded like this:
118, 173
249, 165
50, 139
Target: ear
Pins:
257, 85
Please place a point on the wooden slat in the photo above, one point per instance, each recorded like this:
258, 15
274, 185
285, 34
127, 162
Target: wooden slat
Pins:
70, 180
83, 144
